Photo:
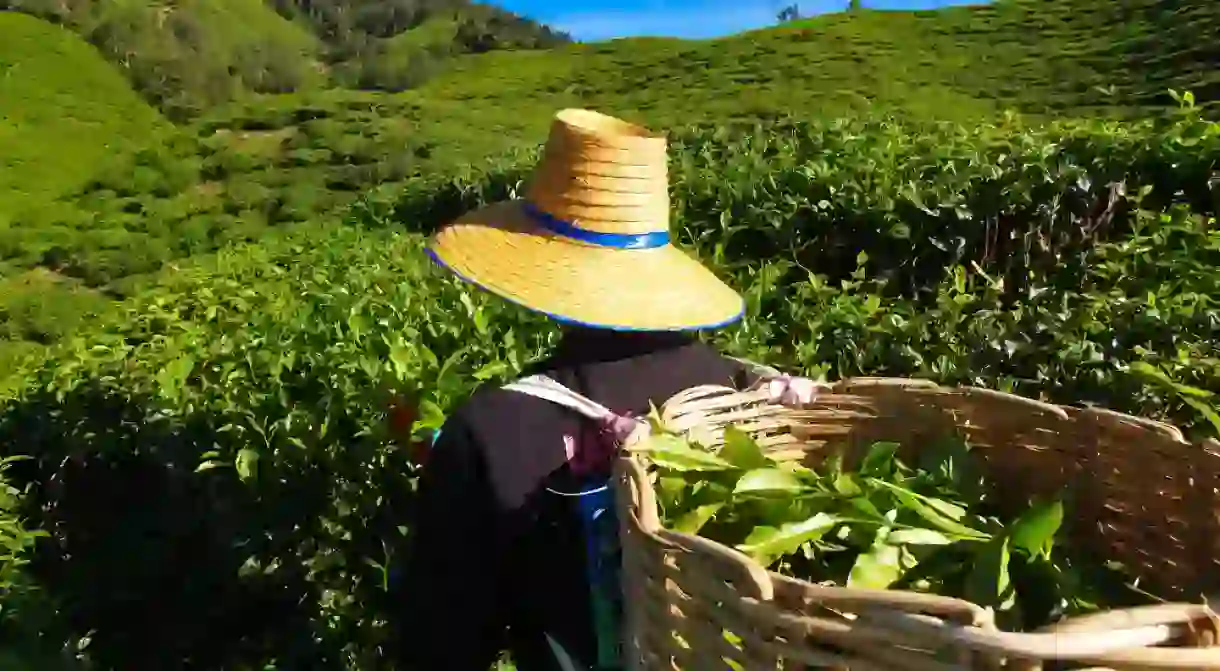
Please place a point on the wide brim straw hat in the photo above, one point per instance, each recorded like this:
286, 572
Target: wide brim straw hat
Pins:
589, 244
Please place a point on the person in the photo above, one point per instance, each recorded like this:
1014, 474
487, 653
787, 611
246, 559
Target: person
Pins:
504, 553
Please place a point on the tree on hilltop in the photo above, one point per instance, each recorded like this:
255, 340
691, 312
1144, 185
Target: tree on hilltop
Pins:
790, 13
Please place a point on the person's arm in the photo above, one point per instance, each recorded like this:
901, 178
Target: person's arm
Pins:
794, 390
450, 599
747, 373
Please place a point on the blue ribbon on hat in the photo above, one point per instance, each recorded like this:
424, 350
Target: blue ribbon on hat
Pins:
614, 240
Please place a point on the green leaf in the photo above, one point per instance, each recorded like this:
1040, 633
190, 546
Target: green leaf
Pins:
672, 453
766, 543
691, 522
988, 583
918, 537
878, 568
246, 464
742, 451
1155, 374
879, 462
208, 465
942, 514
669, 489
1209, 413
173, 375
400, 360
847, 485
768, 481
1034, 532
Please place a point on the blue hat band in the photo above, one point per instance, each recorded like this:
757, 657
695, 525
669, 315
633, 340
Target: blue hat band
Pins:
567, 229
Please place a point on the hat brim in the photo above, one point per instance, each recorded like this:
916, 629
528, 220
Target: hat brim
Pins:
501, 249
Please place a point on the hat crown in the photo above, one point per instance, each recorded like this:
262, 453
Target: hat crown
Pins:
603, 175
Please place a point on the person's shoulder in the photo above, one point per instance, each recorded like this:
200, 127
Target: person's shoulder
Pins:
492, 403
720, 365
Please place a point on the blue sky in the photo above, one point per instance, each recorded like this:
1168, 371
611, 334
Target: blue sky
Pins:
591, 20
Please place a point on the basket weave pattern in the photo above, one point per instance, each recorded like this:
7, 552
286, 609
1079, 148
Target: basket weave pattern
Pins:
1141, 495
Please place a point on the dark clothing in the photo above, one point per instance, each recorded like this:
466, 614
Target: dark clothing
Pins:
496, 560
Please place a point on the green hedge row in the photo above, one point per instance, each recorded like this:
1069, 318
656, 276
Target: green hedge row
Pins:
233, 417
1013, 198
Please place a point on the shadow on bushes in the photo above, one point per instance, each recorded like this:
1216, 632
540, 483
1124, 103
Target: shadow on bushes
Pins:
163, 567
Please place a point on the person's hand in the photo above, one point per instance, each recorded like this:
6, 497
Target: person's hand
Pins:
404, 411
793, 391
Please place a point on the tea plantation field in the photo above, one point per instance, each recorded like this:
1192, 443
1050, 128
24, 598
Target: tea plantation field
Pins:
103, 218
205, 338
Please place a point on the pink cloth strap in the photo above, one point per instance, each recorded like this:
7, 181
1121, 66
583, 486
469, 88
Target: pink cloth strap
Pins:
588, 451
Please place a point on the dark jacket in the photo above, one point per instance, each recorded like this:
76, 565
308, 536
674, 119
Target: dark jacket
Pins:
495, 559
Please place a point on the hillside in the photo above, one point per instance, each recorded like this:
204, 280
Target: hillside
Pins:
63, 109
236, 415
1039, 56
209, 326
189, 55
267, 161
397, 44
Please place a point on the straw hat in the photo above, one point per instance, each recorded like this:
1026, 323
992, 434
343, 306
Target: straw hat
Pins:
590, 242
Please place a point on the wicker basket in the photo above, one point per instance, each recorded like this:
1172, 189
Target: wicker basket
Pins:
1146, 497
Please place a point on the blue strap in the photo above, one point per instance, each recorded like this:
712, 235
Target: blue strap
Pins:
567, 229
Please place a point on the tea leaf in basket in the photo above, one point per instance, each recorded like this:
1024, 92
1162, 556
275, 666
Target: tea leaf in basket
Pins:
769, 481
1034, 532
846, 484
878, 568
919, 537
765, 544
742, 451
988, 583
947, 465
672, 453
670, 490
941, 570
880, 461
942, 514
1040, 588
692, 521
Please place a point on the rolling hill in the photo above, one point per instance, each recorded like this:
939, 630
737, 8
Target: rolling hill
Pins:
63, 109
207, 323
272, 160
1055, 57
186, 56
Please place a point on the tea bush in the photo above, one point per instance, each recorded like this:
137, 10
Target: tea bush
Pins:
31, 635
62, 110
1013, 198
233, 412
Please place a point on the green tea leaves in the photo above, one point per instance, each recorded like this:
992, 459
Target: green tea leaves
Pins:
246, 464
693, 521
883, 525
919, 537
876, 569
1034, 532
988, 583
879, 462
941, 514
741, 450
767, 543
768, 481
671, 453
